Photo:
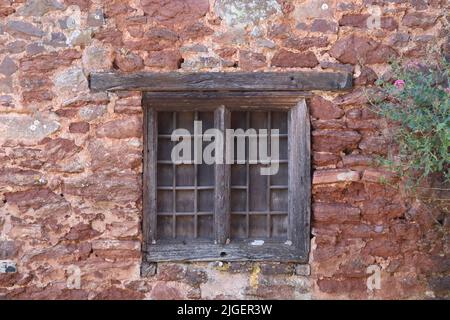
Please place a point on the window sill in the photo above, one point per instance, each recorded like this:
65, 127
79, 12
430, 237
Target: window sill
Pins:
242, 251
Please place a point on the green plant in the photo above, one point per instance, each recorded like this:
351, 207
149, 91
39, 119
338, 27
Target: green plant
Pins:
417, 101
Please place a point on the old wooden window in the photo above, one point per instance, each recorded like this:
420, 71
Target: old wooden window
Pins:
222, 211
227, 211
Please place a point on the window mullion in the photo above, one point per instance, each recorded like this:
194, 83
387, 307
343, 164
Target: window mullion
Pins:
299, 194
222, 182
149, 180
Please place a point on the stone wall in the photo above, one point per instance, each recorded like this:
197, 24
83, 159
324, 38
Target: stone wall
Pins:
71, 160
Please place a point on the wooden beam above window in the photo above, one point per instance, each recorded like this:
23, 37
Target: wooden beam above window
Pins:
222, 81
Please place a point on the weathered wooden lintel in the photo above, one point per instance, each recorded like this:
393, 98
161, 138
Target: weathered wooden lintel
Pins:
221, 81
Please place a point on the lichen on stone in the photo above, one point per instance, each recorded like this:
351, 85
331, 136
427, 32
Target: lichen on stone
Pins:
244, 12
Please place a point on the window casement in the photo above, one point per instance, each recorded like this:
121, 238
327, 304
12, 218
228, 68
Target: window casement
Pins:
227, 211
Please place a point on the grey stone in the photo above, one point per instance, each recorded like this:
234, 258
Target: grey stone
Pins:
265, 43
302, 269
7, 249
346, 6
73, 22
35, 48
424, 38
96, 18
194, 48
23, 29
38, 8
97, 58
244, 12
337, 66
71, 80
256, 32
25, 127
6, 85
420, 4
324, 26
89, 113
399, 39
58, 39
314, 9
199, 63
6, 101
232, 37
63, 23
87, 99
148, 269
14, 47
73, 166
7, 266
440, 284
8, 66
80, 38
302, 26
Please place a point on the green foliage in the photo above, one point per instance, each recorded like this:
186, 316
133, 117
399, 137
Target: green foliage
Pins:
417, 100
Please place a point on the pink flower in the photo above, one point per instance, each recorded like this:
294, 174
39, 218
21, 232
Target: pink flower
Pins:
399, 84
447, 90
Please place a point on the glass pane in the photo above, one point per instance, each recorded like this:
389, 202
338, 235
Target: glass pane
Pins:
165, 175
185, 120
279, 200
238, 200
258, 226
239, 120
206, 200
238, 226
258, 189
240, 149
185, 175
238, 175
185, 227
205, 226
258, 120
281, 178
207, 119
205, 175
164, 227
185, 201
165, 122
164, 201
278, 228
283, 148
279, 121
164, 149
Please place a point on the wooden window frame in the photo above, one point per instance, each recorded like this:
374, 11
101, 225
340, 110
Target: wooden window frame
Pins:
296, 248
240, 90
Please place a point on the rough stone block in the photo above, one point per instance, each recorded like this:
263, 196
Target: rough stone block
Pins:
7, 266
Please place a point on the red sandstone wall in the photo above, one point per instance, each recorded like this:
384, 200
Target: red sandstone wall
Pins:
70, 174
